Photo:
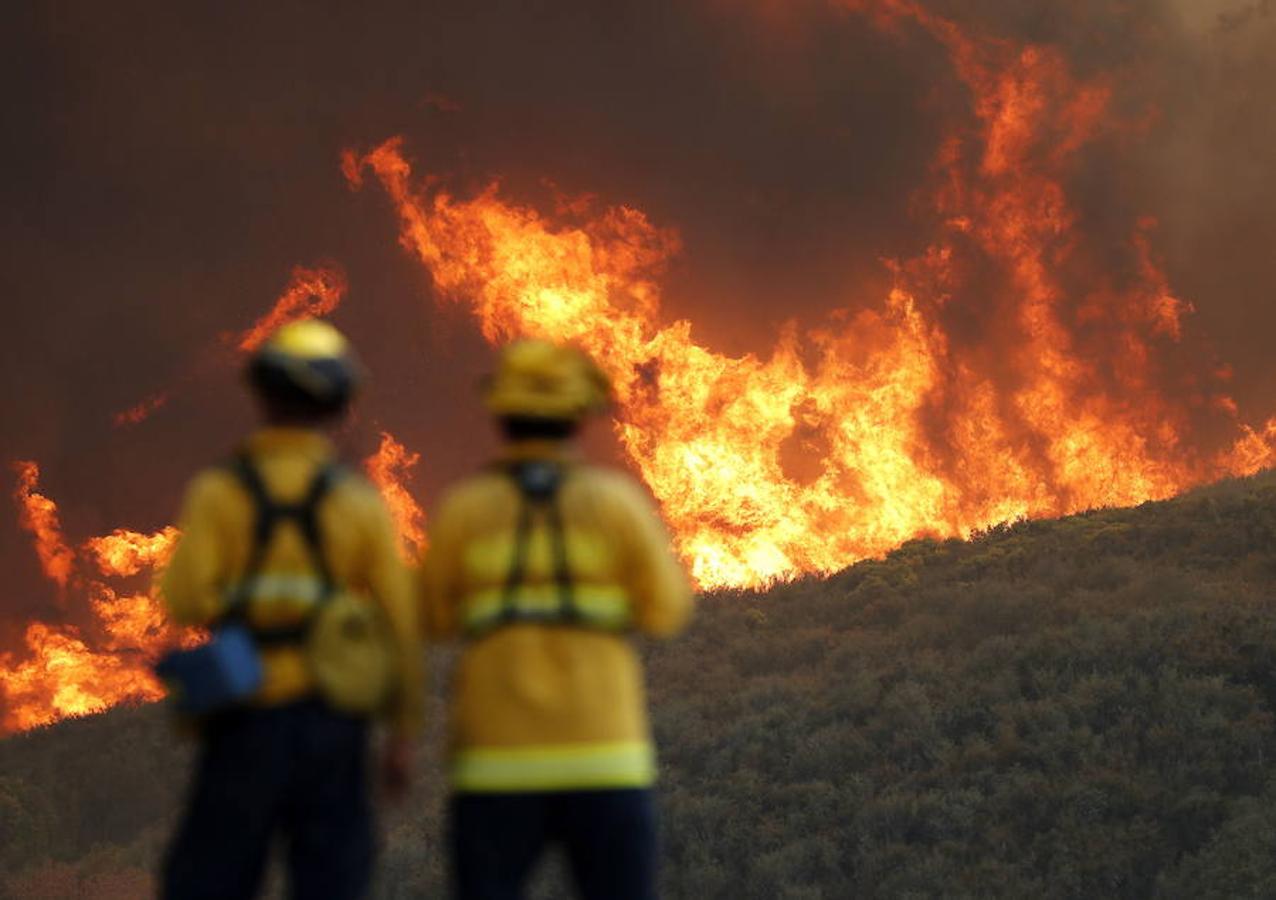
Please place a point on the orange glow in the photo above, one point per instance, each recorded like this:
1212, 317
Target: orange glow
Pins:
311, 293
39, 516
390, 469
915, 435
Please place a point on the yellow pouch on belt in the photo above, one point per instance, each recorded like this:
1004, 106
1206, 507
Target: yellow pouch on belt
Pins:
351, 655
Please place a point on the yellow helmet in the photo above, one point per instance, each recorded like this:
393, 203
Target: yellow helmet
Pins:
537, 379
307, 365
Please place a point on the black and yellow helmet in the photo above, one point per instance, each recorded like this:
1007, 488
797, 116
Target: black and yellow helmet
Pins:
306, 366
537, 379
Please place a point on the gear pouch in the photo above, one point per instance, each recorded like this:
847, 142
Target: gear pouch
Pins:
351, 655
218, 675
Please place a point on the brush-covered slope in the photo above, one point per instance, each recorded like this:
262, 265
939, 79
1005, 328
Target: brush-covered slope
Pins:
1077, 708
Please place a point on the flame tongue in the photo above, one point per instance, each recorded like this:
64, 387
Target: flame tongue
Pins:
39, 516
311, 292
315, 291
389, 469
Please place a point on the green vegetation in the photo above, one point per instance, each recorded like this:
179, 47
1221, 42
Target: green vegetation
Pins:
1075, 708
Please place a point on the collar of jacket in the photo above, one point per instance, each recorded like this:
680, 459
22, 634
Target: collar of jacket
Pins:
303, 441
555, 451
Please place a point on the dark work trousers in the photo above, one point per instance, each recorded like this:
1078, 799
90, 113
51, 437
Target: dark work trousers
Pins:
609, 837
296, 772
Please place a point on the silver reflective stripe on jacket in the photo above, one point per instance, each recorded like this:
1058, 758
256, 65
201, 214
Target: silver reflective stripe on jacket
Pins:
601, 606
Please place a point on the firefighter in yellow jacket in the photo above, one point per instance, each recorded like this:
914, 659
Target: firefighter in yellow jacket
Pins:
543, 565
283, 545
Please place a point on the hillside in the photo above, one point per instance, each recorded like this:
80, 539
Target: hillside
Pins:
1071, 708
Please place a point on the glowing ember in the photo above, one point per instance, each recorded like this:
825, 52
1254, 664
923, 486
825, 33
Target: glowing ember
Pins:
390, 468
142, 411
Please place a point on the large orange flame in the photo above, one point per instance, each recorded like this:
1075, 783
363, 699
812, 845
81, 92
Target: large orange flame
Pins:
915, 435
390, 468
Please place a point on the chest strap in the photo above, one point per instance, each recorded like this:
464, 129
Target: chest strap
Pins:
269, 515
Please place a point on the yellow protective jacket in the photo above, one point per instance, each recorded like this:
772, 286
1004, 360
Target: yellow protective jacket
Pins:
548, 706
359, 545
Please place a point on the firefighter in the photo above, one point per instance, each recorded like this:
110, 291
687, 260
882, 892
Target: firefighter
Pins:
284, 545
543, 565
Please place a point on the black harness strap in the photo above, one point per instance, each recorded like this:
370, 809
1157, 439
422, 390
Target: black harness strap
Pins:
567, 610
269, 515
518, 563
538, 484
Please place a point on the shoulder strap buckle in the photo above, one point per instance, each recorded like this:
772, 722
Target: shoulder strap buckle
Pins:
537, 479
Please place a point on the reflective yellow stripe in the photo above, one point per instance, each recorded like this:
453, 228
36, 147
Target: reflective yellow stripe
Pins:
270, 588
555, 767
601, 605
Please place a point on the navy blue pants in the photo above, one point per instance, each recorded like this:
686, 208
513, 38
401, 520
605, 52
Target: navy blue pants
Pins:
609, 838
297, 772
